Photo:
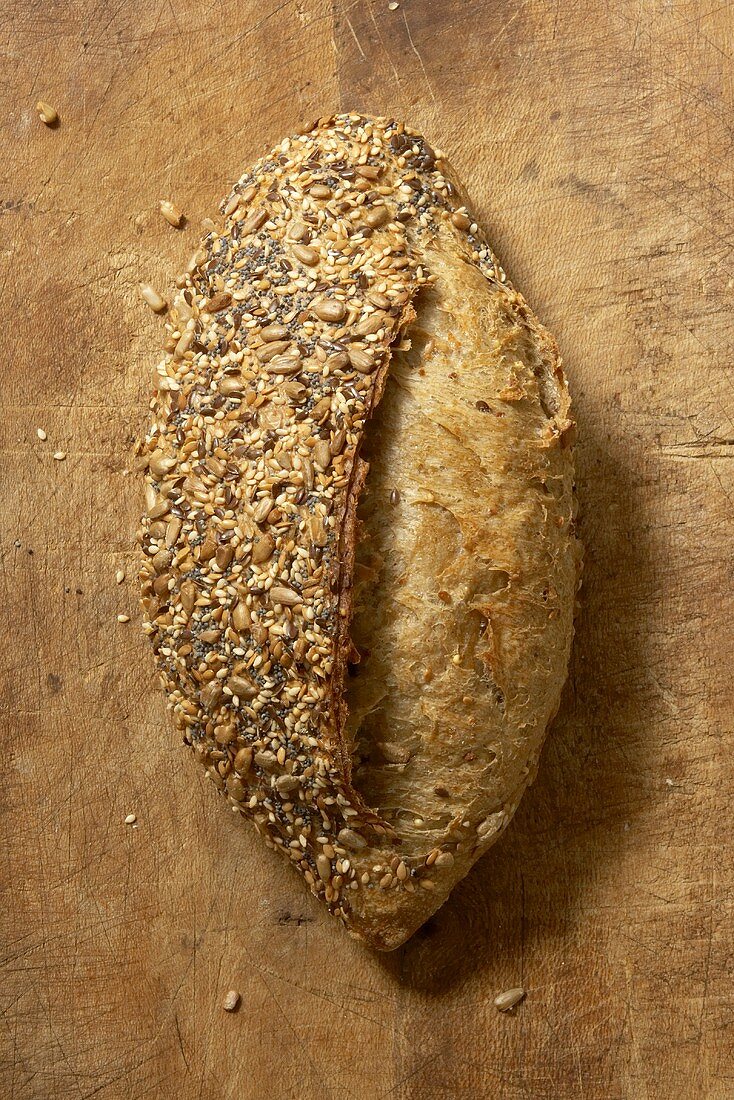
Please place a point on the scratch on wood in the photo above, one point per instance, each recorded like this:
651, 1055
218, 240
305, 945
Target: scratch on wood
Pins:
356, 39
415, 51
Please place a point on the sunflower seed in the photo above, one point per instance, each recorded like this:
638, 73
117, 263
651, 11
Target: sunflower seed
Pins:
242, 688
349, 839
329, 309
152, 297
285, 365
184, 343
270, 350
159, 465
262, 509
173, 530
218, 302
274, 332
243, 760
241, 617
211, 695
368, 171
297, 232
188, 593
507, 1000
307, 256
255, 221
370, 325
263, 548
376, 216
171, 213
287, 783
162, 560
235, 788
380, 300
231, 1000
223, 557
322, 454
208, 548
230, 384
47, 114
285, 596
361, 360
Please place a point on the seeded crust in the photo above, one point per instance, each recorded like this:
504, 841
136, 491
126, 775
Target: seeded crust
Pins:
345, 248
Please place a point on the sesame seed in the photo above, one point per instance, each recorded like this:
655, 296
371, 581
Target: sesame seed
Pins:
119, 576
130, 819
41, 434
59, 456
123, 618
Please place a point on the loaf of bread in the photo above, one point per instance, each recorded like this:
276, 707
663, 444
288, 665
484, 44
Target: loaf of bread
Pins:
359, 560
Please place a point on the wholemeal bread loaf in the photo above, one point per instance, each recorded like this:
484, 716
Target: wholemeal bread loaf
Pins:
359, 562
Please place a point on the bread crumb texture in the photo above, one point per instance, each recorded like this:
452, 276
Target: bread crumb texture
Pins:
377, 718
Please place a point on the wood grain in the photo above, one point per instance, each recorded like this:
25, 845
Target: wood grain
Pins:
596, 141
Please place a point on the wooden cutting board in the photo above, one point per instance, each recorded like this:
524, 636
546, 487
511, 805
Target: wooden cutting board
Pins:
596, 141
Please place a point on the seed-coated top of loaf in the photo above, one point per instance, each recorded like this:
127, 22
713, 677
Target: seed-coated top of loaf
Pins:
278, 350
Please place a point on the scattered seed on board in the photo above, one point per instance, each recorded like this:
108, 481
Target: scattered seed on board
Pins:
60, 456
171, 213
393, 6
503, 1002
41, 435
119, 576
47, 114
152, 297
231, 1000
123, 618
130, 819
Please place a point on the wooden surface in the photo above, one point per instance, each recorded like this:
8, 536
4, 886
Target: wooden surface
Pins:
596, 141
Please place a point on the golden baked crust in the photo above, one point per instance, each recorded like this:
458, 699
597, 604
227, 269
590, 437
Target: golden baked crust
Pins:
278, 354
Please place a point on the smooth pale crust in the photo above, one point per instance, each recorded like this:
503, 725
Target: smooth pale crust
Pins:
465, 585
464, 589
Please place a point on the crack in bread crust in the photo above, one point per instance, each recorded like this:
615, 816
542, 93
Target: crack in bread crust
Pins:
278, 351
